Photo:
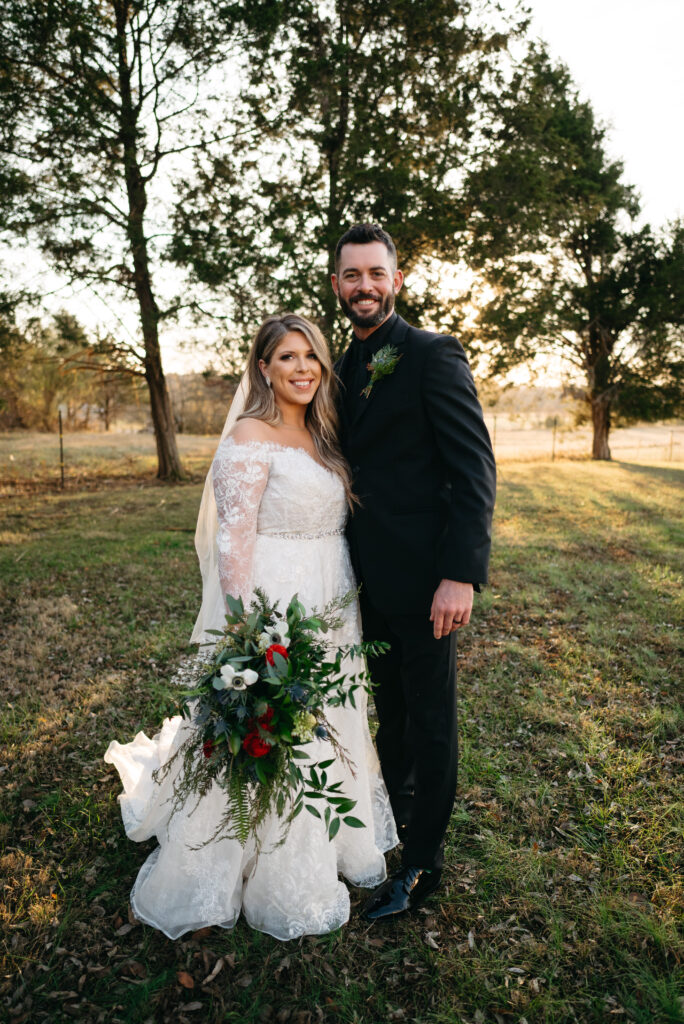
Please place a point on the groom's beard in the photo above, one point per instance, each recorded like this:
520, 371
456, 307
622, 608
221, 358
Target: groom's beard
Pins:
363, 320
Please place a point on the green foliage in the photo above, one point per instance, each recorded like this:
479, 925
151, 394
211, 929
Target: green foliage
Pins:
252, 710
90, 109
364, 112
85, 109
564, 268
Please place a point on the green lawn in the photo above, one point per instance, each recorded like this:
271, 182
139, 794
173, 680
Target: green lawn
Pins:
562, 895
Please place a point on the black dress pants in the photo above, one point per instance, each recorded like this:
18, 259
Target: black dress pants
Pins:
415, 697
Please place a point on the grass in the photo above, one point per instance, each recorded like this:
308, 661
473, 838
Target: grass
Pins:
31, 461
563, 891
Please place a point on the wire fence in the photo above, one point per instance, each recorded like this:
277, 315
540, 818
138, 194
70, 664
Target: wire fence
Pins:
553, 440
32, 458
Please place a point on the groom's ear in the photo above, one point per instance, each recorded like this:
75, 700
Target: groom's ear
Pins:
333, 281
398, 280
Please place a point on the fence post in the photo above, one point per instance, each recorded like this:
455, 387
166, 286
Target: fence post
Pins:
671, 443
553, 440
61, 449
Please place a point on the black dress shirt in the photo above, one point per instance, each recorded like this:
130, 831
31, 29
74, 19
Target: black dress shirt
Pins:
362, 352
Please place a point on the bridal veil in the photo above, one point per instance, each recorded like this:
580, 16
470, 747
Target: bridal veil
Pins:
212, 614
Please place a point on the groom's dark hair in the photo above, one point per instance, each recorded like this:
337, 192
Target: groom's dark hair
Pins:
362, 234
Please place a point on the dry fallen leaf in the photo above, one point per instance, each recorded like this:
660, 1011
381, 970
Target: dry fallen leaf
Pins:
185, 979
429, 939
282, 966
218, 966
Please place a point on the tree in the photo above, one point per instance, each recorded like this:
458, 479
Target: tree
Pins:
564, 268
44, 366
103, 372
366, 112
94, 101
33, 379
13, 351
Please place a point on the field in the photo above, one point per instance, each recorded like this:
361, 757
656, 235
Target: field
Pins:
32, 461
563, 886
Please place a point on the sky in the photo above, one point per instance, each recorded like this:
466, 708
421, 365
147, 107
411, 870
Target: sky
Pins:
626, 57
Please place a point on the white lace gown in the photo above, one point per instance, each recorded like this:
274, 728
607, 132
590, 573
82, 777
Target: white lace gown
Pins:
281, 523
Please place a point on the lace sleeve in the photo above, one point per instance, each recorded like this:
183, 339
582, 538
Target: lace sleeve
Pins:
240, 474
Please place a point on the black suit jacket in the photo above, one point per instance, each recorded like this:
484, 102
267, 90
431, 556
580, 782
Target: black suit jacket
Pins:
423, 467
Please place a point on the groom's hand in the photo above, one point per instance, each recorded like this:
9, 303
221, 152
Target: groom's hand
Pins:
451, 607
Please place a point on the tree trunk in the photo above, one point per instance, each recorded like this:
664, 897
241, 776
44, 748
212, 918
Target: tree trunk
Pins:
168, 460
336, 120
600, 418
169, 465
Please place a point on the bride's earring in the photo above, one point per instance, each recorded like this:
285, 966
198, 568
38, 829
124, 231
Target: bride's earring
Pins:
268, 382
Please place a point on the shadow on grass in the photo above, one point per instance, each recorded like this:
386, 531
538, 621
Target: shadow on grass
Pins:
661, 473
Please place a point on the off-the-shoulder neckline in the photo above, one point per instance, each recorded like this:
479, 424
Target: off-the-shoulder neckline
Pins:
279, 447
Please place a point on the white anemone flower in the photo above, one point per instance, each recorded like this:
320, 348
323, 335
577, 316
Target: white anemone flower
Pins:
278, 633
230, 679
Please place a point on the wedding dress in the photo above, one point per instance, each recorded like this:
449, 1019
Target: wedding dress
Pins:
281, 528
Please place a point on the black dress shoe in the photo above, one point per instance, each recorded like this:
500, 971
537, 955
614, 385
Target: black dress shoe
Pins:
402, 891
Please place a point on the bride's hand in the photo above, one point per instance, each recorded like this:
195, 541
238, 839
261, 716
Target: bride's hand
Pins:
451, 607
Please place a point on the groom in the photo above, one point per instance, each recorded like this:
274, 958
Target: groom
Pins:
423, 469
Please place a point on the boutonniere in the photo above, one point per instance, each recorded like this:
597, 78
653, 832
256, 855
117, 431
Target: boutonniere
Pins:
383, 363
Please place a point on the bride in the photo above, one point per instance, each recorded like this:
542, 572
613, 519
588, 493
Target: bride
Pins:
273, 517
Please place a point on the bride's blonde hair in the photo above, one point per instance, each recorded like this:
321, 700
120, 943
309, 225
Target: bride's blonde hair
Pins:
321, 413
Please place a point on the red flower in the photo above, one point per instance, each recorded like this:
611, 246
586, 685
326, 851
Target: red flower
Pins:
275, 649
265, 719
208, 748
254, 745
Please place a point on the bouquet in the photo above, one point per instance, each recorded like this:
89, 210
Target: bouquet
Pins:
261, 697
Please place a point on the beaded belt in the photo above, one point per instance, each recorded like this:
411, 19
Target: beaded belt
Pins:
304, 536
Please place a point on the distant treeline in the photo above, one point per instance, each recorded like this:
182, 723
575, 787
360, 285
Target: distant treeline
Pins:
48, 369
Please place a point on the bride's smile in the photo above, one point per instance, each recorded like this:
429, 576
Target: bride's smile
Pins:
293, 371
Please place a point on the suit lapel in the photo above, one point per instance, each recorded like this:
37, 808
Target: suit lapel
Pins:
342, 371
